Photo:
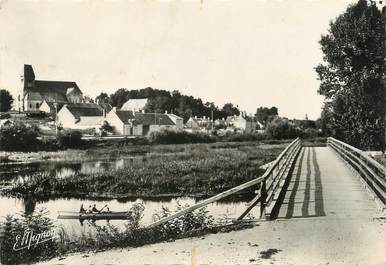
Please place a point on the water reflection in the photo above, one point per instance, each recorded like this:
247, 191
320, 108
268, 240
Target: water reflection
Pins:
9, 172
74, 228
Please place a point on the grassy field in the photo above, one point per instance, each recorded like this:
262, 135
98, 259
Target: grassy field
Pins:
187, 169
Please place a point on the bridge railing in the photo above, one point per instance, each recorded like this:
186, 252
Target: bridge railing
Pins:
373, 173
270, 183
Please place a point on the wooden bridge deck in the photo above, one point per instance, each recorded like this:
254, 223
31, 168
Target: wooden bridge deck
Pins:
322, 185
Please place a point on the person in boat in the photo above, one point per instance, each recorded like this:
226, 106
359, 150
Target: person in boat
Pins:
82, 210
94, 209
107, 210
89, 210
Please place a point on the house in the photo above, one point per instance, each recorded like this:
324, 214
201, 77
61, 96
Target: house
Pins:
81, 116
34, 92
179, 122
198, 124
241, 123
135, 104
127, 122
122, 122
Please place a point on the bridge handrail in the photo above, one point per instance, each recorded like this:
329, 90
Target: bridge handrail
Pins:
276, 167
373, 173
366, 157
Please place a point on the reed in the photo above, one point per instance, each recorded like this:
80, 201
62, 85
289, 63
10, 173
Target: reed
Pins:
199, 169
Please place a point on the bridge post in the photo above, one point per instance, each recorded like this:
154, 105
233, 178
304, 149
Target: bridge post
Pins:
263, 194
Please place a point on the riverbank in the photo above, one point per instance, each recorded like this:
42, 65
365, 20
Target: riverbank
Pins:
105, 149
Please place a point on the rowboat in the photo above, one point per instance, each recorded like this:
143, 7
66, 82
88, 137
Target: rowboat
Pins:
93, 216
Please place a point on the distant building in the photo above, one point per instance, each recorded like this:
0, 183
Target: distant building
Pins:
127, 122
34, 92
220, 123
81, 116
241, 123
198, 124
136, 105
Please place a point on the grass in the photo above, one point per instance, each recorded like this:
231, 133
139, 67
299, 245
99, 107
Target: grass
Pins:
196, 169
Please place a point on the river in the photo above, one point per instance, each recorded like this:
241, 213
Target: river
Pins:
223, 210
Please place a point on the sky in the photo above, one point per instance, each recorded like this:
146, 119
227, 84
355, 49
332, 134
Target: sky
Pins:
252, 53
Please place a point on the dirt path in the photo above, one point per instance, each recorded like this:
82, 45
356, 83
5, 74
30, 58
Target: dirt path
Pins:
298, 241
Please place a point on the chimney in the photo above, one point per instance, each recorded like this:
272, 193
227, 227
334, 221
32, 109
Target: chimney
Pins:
195, 117
114, 109
166, 112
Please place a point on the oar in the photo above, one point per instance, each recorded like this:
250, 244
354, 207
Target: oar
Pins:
102, 208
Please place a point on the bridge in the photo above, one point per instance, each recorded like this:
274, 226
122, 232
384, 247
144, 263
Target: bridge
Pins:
308, 182
317, 205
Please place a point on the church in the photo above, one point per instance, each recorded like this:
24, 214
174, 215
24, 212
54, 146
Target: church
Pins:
36, 92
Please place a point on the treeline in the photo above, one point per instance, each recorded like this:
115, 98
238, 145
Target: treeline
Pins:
173, 102
351, 77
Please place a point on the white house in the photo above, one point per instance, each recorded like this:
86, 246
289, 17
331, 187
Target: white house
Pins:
242, 123
81, 116
198, 124
127, 122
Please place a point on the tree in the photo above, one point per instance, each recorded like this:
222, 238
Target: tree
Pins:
351, 76
6, 100
102, 98
280, 128
17, 136
264, 114
230, 110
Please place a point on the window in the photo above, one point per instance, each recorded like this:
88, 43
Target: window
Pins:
37, 105
30, 106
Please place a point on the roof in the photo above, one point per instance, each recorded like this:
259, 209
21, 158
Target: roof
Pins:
84, 109
153, 119
125, 115
134, 104
174, 116
51, 90
144, 118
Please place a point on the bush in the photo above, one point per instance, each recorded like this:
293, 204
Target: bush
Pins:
16, 227
280, 128
106, 128
179, 137
244, 137
69, 139
310, 133
17, 136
